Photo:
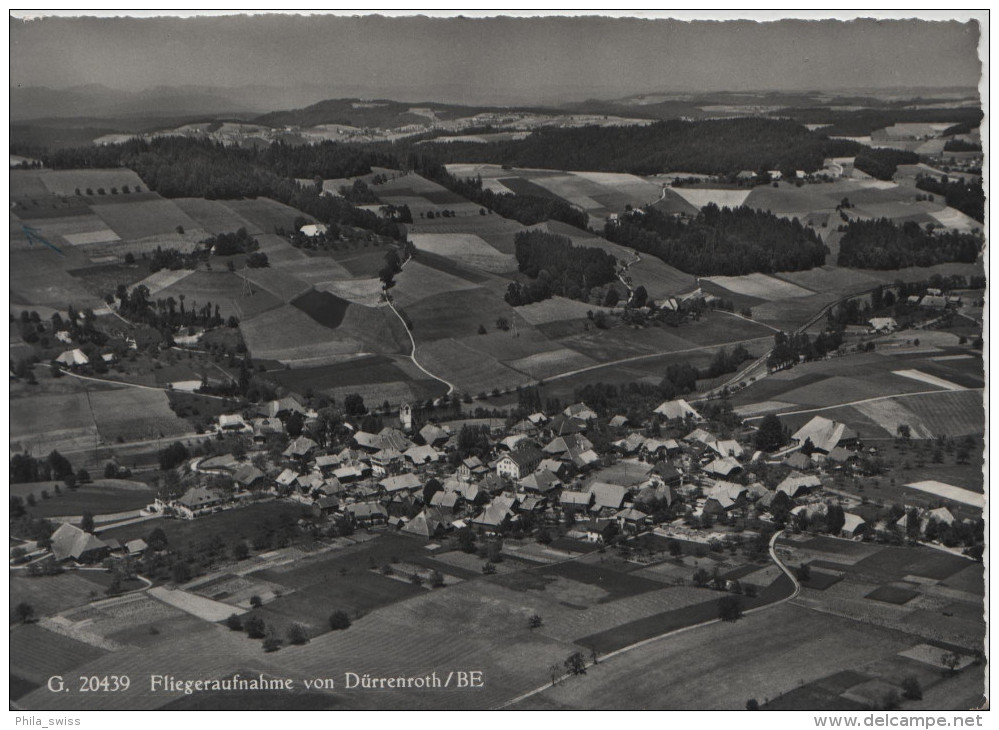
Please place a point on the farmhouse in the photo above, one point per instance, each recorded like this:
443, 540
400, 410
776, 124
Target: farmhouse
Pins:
367, 513
607, 496
300, 448
313, 229
883, 325
795, 486
677, 409
402, 483
824, 434
723, 467
580, 411
420, 455
472, 467
433, 435
70, 542
232, 423
563, 444
430, 523
197, 501
73, 359
518, 464
497, 513
596, 531
540, 481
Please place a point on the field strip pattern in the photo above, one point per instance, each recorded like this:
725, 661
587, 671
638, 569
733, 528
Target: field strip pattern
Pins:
203, 608
948, 491
929, 379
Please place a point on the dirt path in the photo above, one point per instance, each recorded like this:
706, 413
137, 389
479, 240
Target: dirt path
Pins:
135, 385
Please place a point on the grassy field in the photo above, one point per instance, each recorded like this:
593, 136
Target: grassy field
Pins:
264, 214
104, 496
133, 413
37, 654
809, 646
52, 594
146, 218
212, 215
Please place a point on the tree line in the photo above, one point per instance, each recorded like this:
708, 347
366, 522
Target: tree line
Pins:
555, 267
880, 244
713, 146
181, 167
721, 241
969, 198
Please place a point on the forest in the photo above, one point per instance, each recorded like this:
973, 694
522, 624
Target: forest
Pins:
969, 198
180, 167
526, 209
716, 146
882, 163
557, 268
721, 241
880, 244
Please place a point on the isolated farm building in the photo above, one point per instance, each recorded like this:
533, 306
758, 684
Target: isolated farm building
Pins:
73, 358
313, 229
667, 474
232, 422
562, 444
325, 506
430, 523
70, 542
596, 531
631, 519
497, 513
518, 464
723, 467
941, 514
795, 486
853, 525
580, 411
472, 467
407, 483
933, 301
280, 406
728, 447
300, 448
385, 460
618, 422
607, 496
883, 325
433, 434
677, 409
288, 478
420, 455
198, 500
746, 175
799, 461
542, 482
825, 434
136, 546
367, 513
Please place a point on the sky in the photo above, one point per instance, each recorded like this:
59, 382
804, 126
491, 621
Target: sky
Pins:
526, 59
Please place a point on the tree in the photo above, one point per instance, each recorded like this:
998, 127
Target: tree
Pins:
82, 476
173, 456
297, 634
256, 602
24, 612
87, 522
234, 622
271, 643
640, 297
353, 405
911, 689
255, 627
701, 577
729, 608
835, 519
157, 539
771, 434
950, 660
534, 622
339, 620
575, 663
482, 329
436, 579
803, 572
752, 705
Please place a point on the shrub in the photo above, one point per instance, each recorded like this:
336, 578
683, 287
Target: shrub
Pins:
339, 620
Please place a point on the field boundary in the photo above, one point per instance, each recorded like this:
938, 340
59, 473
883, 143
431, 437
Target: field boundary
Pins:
674, 632
862, 400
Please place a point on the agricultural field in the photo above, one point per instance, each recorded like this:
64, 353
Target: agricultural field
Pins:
144, 219
135, 413
465, 249
37, 654
102, 496
54, 594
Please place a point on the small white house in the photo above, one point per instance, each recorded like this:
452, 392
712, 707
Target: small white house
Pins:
313, 229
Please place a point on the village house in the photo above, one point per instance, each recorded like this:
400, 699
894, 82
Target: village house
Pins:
367, 514
300, 448
73, 359
518, 464
825, 435
198, 501
607, 497
677, 410
472, 467
595, 531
